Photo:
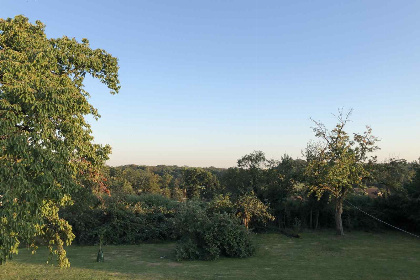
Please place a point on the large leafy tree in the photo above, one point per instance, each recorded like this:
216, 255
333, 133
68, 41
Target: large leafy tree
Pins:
254, 163
46, 149
199, 182
282, 179
336, 163
413, 188
393, 175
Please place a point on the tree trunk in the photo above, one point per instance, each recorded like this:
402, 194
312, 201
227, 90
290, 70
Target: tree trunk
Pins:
338, 220
310, 220
316, 219
245, 221
284, 218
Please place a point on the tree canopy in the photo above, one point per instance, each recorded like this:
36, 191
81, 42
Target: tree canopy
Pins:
335, 164
46, 148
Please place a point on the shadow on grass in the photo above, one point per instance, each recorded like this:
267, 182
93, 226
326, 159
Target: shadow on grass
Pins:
122, 258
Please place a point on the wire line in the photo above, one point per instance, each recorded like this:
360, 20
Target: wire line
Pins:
381, 220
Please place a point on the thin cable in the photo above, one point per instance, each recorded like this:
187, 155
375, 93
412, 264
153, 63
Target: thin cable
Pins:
381, 220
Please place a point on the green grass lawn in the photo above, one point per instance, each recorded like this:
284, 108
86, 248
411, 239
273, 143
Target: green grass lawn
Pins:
320, 255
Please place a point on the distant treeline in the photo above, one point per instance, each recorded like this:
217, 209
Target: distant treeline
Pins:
144, 201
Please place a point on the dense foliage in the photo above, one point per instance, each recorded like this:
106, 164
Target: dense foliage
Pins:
286, 201
336, 163
46, 148
126, 219
206, 235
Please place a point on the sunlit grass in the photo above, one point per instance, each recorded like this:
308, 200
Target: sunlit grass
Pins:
320, 255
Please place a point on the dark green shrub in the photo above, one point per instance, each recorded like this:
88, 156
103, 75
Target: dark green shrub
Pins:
124, 220
354, 219
400, 210
206, 237
234, 239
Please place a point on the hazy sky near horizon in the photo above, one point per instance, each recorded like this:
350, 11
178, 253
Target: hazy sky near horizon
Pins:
205, 82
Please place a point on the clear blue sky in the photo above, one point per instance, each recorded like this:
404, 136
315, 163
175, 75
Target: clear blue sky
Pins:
206, 82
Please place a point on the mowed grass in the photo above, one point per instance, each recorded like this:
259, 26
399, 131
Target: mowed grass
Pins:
317, 255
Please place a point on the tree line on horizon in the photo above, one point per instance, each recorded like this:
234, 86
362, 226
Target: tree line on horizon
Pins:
274, 182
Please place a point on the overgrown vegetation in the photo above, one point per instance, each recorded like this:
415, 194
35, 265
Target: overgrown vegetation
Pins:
280, 188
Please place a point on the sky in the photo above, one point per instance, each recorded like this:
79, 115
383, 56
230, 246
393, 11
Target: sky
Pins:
204, 83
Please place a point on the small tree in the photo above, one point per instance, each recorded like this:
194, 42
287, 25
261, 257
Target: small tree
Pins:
249, 207
336, 163
246, 208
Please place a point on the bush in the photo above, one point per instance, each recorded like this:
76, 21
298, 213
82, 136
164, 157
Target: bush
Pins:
124, 220
400, 210
397, 209
206, 237
354, 219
